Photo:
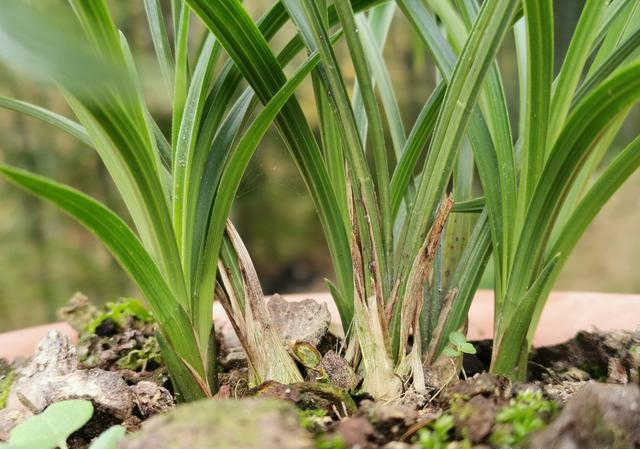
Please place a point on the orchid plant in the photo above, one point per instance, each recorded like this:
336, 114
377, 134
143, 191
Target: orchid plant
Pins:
408, 236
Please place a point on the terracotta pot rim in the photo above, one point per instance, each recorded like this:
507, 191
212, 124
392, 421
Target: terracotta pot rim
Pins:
566, 313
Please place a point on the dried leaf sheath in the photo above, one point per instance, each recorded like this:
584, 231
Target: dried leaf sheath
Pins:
370, 324
270, 359
380, 380
415, 291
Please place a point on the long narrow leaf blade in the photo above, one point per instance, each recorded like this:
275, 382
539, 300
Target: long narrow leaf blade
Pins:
232, 176
246, 45
127, 249
63, 123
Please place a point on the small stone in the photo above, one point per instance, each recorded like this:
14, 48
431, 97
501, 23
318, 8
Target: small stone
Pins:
224, 424
392, 419
476, 417
388, 413
150, 398
55, 356
52, 375
355, 432
530, 387
339, 371
400, 445
305, 320
106, 389
9, 418
617, 372
441, 373
415, 399
597, 416
235, 359
484, 384
563, 391
576, 374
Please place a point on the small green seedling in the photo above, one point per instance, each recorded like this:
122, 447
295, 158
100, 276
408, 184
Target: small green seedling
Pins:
52, 428
436, 434
109, 439
458, 346
524, 414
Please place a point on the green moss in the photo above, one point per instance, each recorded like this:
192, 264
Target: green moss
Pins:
436, 434
127, 341
460, 409
526, 413
459, 398
139, 359
332, 442
311, 419
119, 312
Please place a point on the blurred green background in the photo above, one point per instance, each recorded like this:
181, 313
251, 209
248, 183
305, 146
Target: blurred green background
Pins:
45, 257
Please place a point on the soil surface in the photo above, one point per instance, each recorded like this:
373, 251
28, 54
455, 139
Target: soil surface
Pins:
583, 393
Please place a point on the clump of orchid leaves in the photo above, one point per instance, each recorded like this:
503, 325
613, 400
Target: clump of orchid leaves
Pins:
411, 216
